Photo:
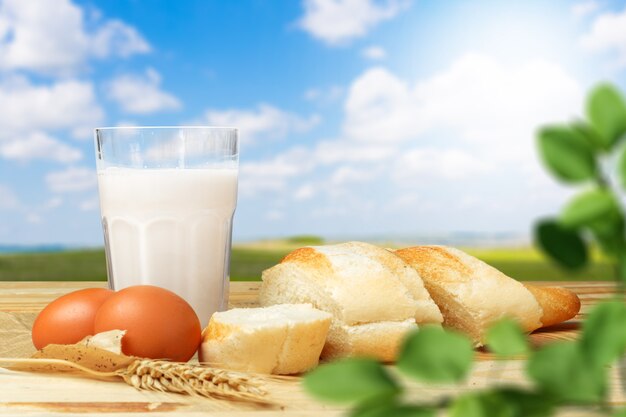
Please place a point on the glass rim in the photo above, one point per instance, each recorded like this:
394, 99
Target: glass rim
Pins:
166, 127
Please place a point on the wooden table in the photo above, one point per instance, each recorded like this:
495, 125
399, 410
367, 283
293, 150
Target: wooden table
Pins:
39, 394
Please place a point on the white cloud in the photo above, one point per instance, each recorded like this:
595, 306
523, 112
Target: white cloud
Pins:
34, 218
72, 179
324, 95
476, 100
66, 104
584, 8
608, 33
404, 201
38, 145
141, 94
304, 192
53, 203
265, 121
273, 174
49, 37
374, 52
117, 38
8, 198
429, 163
339, 21
127, 123
440, 146
347, 174
90, 204
275, 215
344, 151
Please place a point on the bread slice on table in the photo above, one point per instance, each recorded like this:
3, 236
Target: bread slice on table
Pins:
472, 295
375, 298
380, 340
281, 339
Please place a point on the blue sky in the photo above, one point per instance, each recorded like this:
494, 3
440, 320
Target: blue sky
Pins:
357, 117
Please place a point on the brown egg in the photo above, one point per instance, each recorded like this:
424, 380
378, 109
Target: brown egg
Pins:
159, 323
69, 318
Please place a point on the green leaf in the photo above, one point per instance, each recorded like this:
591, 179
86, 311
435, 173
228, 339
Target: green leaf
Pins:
606, 110
603, 338
435, 355
592, 137
351, 380
592, 207
621, 272
621, 168
567, 154
560, 369
527, 404
502, 402
395, 410
619, 412
506, 338
613, 244
598, 211
481, 404
563, 245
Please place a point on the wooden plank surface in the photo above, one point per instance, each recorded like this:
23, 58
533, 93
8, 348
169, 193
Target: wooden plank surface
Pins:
37, 394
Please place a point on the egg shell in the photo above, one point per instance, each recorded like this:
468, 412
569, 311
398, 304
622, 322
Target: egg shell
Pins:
69, 318
159, 324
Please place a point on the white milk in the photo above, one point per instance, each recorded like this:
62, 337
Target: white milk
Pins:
170, 228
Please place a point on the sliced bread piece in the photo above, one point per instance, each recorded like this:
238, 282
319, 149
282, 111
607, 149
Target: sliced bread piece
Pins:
358, 284
381, 340
281, 339
472, 295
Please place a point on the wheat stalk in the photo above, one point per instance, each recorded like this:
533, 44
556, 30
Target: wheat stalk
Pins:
194, 380
175, 377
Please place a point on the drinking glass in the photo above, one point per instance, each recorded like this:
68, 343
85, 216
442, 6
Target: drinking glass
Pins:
167, 199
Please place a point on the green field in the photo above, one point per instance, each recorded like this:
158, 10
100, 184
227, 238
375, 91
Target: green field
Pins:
250, 259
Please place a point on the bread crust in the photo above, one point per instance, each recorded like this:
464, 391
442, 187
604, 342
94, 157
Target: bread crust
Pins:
471, 294
359, 284
286, 342
558, 304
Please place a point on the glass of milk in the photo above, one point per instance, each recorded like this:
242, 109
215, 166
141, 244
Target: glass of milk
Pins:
167, 198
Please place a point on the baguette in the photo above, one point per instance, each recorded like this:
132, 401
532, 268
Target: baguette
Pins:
473, 295
282, 339
373, 296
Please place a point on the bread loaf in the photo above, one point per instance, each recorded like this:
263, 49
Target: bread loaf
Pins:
281, 339
374, 297
472, 295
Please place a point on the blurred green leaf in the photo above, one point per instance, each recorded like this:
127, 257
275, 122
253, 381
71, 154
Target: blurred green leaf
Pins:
621, 168
527, 404
619, 412
563, 245
621, 272
506, 338
434, 355
592, 137
561, 369
606, 110
504, 402
612, 245
481, 404
603, 338
351, 380
598, 211
393, 409
567, 154
590, 207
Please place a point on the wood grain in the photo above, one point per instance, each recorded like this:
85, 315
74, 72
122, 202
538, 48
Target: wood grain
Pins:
35, 394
